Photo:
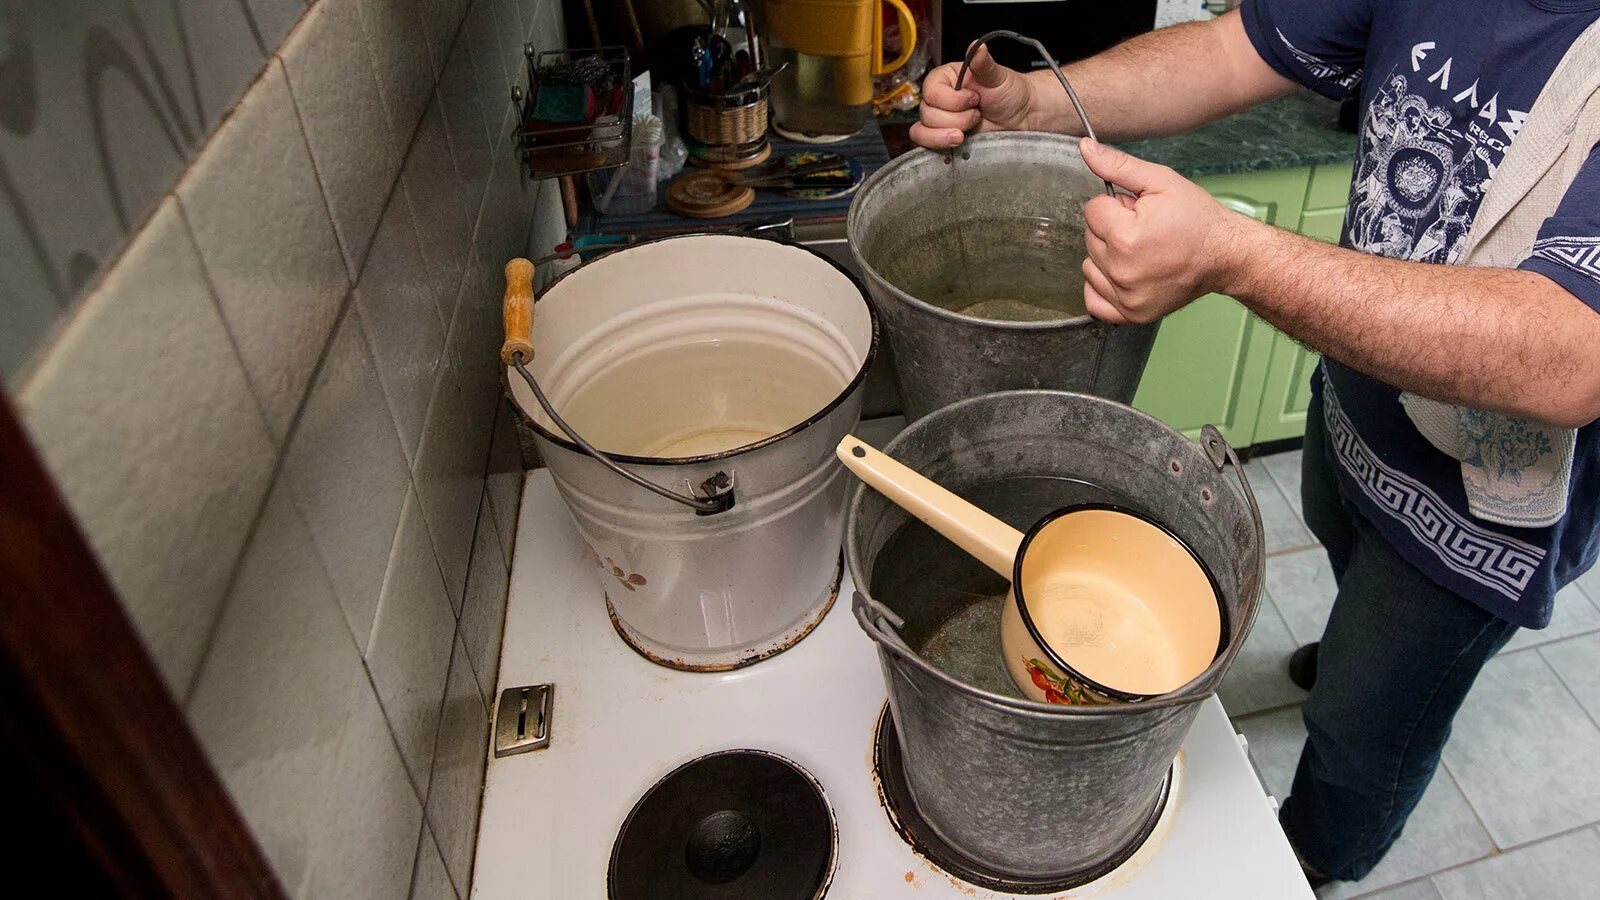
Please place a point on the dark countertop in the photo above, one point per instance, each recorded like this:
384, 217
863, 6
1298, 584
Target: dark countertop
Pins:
1301, 129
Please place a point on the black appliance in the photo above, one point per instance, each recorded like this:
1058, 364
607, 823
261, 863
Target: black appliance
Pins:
1071, 29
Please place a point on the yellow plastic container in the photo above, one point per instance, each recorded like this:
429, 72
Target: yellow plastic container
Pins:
834, 47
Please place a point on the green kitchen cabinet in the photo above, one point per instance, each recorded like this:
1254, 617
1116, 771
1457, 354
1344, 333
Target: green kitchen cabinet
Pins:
1287, 393
1215, 362
1209, 363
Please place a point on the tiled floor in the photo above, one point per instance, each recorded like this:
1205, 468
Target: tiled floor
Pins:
1514, 809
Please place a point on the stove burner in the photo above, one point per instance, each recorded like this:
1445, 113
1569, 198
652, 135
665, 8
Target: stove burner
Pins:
727, 826
914, 829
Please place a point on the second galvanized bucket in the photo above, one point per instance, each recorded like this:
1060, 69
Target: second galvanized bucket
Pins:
1032, 793
974, 261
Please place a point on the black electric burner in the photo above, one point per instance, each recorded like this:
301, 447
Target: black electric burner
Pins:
915, 830
728, 826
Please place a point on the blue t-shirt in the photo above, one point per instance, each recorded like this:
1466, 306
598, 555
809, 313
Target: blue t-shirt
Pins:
1445, 86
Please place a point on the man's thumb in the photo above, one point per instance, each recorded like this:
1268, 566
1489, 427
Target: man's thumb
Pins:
1127, 172
985, 71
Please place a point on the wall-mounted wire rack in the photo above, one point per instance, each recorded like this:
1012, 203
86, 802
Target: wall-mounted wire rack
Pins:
577, 112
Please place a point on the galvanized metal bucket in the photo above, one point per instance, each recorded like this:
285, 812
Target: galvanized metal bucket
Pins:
708, 560
967, 211
1023, 789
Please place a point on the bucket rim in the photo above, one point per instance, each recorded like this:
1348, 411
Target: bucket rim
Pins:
914, 157
844, 394
1201, 687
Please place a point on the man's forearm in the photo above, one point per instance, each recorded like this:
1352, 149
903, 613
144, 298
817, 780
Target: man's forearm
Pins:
1166, 82
1503, 340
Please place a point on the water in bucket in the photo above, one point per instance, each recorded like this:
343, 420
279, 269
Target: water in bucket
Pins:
1017, 269
700, 397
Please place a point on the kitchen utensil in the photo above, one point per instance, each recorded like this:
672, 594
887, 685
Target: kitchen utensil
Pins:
686, 394
1105, 604
789, 168
845, 179
721, 64
1034, 790
759, 77
707, 195
833, 49
732, 20
974, 257
731, 157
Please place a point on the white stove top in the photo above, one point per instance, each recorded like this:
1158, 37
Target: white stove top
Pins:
620, 723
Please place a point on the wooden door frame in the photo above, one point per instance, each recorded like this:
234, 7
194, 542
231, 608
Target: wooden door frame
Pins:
122, 784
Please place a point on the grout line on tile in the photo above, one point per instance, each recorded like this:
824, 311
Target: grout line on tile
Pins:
1263, 713
1282, 488
71, 305
1593, 601
1298, 548
273, 483
354, 309
471, 670
1567, 687
305, 141
1494, 847
416, 855
433, 755
215, 624
281, 452
1509, 850
394, 737
451, 38
233, 341
1377, 892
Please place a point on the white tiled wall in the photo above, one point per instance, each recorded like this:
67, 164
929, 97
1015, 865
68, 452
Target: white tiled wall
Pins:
254, 338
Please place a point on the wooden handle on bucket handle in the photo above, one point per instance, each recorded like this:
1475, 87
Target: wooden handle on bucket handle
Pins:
517, 351
518, 313
989, 540
1077, 105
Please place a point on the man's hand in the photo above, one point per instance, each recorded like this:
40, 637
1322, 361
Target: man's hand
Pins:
993, 98
1154, 252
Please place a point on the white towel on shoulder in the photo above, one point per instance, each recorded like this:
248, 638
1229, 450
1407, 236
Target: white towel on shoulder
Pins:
1517, 472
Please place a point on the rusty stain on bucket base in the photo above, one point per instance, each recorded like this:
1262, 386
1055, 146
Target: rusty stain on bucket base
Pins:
750, 659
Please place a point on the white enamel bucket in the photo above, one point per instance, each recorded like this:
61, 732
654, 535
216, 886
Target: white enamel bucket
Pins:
721, 367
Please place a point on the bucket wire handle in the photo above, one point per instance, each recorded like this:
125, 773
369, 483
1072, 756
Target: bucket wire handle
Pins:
518, 349
1077, 105
880, 623
1221, 454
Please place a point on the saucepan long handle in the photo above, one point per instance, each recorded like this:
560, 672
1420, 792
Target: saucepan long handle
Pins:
989, 540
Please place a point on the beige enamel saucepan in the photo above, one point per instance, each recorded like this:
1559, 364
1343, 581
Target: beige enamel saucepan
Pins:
1106, 605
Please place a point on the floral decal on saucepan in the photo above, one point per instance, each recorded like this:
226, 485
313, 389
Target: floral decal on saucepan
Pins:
630, 580
1060, 690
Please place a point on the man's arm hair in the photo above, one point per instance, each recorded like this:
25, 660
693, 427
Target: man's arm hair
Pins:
1164, 82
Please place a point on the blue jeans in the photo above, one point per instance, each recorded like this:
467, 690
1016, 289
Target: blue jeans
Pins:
1398, 656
